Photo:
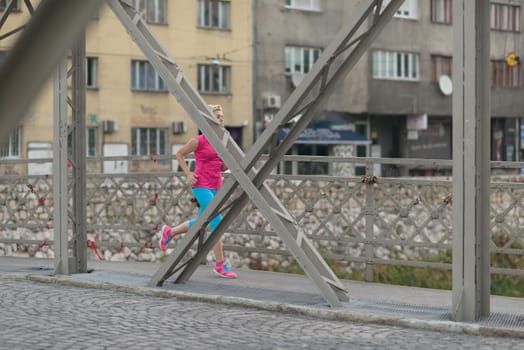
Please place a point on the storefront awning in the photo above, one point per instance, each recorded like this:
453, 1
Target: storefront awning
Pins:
325, 136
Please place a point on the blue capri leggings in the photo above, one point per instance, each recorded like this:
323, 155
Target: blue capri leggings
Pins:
204, 196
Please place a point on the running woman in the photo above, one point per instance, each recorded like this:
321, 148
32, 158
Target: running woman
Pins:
205, 181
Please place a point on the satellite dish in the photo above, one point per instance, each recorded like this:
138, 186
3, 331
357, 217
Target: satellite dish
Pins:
296, 78
445, 85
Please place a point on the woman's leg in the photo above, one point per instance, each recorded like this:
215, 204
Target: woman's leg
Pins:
218, 251
204, 196
167, 233
182, 228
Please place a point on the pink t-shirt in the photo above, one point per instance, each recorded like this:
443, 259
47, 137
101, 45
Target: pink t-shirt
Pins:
208, 165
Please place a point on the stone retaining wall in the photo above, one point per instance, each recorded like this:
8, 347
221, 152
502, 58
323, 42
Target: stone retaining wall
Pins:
124, 217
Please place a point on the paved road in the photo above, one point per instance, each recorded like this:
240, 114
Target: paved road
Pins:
47, 316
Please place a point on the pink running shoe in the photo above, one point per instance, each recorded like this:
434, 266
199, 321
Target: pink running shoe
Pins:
166, 237
223, 270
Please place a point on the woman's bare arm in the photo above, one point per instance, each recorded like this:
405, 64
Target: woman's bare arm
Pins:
189, 147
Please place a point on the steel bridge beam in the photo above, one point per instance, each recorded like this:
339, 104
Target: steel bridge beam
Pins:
51, 30
352, 41
57, 23
79, 154
471, 155
60, 197
70, 255
7, 11
306, 100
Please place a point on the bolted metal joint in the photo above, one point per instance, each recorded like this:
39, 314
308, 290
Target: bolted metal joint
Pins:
369, 179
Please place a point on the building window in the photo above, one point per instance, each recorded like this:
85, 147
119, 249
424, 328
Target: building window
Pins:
440, 65
395, 65
306, 5
4, 3
214, 78
154, 10
145, 78
408, 10
505, 17
300, 59
504, 76
146, 141
441, 11
311, 168
91, 69
91, 142
11, 148
3, 55
213, 14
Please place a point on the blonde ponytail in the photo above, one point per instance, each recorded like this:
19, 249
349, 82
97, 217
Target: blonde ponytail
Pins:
215, 108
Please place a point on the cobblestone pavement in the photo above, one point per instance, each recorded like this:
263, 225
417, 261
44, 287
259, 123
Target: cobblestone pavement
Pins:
48, 316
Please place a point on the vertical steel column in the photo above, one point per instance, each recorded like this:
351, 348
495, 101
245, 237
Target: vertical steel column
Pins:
471, 169
78, 157
77, 262
370, 223
53, 28
60, 198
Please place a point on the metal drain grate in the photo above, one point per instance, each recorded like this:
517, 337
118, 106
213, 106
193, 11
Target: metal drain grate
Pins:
399, 309
497, 319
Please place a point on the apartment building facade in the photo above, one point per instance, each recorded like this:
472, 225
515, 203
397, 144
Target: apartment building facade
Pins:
128, 108
250, 55
398, 98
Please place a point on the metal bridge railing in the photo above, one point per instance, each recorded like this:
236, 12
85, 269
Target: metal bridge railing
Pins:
359, 221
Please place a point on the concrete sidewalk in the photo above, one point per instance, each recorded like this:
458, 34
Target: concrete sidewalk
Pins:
370, 302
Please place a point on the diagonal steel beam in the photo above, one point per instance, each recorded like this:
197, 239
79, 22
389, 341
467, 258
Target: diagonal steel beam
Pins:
301, 248
29, 6
7, 11
227, 149
52, 29
380, 22
318, 73
12, 32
